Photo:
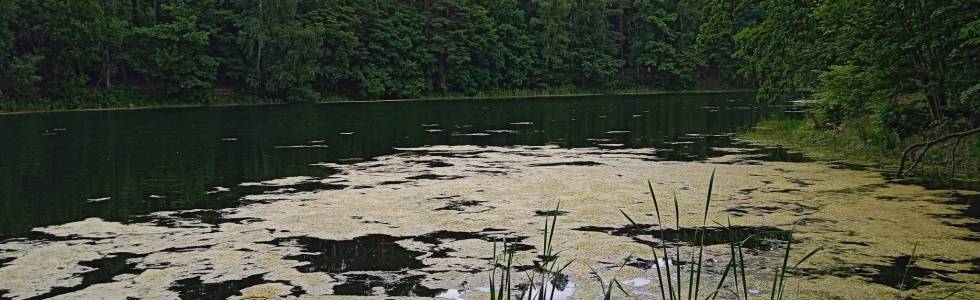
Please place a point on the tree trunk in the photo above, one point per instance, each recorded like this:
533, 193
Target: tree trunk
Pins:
107, 67
909, 152
106, 64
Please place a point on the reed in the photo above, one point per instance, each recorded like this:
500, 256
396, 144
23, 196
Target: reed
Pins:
735, 266
669, 279
538, 286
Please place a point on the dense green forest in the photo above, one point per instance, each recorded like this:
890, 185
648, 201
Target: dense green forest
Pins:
307, 50
902, 64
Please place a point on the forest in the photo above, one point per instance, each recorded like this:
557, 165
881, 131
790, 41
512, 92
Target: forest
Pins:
904, 65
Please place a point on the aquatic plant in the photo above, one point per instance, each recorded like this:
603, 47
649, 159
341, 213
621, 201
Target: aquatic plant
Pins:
736, 265
547, 268
670, 282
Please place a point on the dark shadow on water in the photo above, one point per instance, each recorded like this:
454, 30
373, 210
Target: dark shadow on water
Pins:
404, 286
378, 261
5, 260
968, 217
202, 216
212, 217
843, 165
104, 270
47, 237
550, 213
195, 288
646, 264
374, 252
433, 163
761, 238
302, 187
488, 235
380, 254
898, 274
461, 205
570, 163
434, 177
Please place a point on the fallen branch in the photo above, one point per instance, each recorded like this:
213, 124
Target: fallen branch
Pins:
925, 146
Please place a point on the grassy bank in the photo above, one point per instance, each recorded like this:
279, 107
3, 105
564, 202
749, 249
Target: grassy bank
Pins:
859, 143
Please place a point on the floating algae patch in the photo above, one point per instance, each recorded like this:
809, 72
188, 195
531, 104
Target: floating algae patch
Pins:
752, 237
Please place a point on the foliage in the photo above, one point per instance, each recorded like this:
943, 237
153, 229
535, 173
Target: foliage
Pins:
300, 50
174, 54
861, 58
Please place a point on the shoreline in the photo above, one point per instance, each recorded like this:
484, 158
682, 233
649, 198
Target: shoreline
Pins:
847, 148
434, 98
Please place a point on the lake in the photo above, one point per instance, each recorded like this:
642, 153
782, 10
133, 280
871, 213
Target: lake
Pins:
407, 198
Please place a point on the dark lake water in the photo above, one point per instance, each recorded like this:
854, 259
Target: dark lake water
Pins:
62, 167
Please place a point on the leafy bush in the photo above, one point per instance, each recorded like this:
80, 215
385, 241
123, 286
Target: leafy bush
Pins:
844, 92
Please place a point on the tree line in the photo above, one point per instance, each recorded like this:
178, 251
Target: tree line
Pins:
363, 49
897, 63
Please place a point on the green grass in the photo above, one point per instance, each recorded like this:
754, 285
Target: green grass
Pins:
860, 143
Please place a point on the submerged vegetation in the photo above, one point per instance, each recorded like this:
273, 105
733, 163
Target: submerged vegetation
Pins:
671, 282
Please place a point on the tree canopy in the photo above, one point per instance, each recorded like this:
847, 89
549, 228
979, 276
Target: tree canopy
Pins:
303, 50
